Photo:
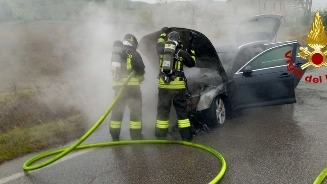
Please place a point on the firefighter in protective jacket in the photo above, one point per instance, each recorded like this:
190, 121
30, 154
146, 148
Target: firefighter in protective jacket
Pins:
172, 84
126, 59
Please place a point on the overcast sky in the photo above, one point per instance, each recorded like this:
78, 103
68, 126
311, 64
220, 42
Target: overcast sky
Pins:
316, 4
319, 4
154, 1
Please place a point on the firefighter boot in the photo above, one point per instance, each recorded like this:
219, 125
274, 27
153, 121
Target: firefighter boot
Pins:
114, 132
136, 134
186, 134
161, 133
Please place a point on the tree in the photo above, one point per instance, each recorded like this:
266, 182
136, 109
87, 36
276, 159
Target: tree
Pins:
324, 17
306, 4
303, 6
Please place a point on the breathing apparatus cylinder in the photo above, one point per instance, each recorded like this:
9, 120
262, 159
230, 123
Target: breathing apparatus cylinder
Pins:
167, 68
116, 59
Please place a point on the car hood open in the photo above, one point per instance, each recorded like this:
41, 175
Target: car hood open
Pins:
258, 28
206, 54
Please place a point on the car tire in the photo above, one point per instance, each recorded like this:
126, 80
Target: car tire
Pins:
215, 115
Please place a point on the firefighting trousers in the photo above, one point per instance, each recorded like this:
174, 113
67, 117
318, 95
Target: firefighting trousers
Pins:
132, 98
178, 98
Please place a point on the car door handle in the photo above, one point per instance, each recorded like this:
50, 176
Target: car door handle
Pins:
284, 75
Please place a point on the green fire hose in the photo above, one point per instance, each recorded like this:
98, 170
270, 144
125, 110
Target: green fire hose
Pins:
77, 145
320, 178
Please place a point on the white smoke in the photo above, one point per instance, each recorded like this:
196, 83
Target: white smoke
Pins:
82, 49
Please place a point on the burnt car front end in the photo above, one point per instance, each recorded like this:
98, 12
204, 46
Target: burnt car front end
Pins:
204, 81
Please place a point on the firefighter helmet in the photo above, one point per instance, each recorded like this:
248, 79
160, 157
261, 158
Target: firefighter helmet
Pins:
175, 36
130, 40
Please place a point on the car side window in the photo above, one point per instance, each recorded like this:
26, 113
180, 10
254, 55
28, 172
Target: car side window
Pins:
271, 58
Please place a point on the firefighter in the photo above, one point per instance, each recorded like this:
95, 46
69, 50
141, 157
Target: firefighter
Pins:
172, 84
124, 60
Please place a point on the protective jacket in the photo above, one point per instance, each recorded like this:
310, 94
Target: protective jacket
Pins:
132, 62
173, 92
130, 97
184, 58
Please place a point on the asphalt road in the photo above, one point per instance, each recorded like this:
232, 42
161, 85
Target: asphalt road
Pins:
281, 144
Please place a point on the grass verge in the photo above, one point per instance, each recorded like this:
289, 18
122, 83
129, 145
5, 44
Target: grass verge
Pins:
18, 142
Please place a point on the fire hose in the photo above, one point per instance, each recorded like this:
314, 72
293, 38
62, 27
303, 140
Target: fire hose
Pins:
59, 153
320, 178
27, 166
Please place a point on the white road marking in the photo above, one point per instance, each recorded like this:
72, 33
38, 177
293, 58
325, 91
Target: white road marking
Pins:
21, 174
12, 177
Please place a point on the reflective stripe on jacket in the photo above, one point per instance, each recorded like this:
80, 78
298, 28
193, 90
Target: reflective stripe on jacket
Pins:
134, 81
180, 81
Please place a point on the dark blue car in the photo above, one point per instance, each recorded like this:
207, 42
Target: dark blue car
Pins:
251, 72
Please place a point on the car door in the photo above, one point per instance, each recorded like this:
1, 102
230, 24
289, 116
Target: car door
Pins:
265, 79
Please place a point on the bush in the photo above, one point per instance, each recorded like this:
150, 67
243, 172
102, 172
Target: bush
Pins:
21, 109
29, 124
19, 142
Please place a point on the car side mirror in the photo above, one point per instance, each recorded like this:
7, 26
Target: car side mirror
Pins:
247, 70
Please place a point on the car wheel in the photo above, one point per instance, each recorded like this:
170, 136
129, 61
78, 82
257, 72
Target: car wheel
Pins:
215, 115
